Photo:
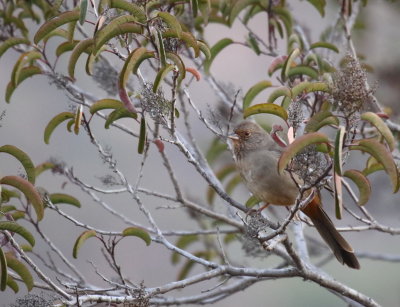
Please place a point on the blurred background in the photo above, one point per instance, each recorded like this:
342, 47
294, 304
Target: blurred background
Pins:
36, 101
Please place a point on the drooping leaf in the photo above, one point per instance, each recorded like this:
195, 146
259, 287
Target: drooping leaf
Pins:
54, 23
298, 145
195, 7
338, 150
65, 47
16, 228
118, 26
363, 185
317, 87
129, 65
61, 198
80, 240
132, 8
215, 50
300, 88
187, 38
383, 156
12, 284
276, 64
117, 114
252, 42
54, 122
11, 42
254, 91
337, 179
29, 191
288, 63
85, 45
20, 268
182, 243
204, 49
82, 10
25, 73
142, 136
160, 47
3, 270
22, 157
279, 92
26, 57
179, 64
161, 76
324, 45
303, 70
238, 7
321, 119
43, 167
171, 21
107, 103
380, 125
78, 118
137, 232
319, 5
269, 108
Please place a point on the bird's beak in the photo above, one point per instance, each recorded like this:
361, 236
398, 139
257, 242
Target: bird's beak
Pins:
233, 137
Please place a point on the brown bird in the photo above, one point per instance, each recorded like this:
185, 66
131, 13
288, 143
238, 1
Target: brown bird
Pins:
256, 155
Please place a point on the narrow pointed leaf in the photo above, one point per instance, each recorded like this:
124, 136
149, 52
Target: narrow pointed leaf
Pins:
12, 284
117, 114
319, 5
254, 91
279, 92
269, 108
20, 268
383, 156
78, 118
137, 232
195, 7
337, 179
215, 50
204, 49
29, 190
338, 150
303, 70
288, 63
54, 122
363, 185
3, 270
82, 11
16, 228
187, 38
298, 145
25, 58
172, 22
380, 125
24, 74
317, 87
324, 45
238, 7
11, 42
321, 119
83, 46
134, 9
161, 76
80, 240
142, 136
179, 64
65, 47
23, 158
160, 48
129, 64
54, 23
105, 104
60, 198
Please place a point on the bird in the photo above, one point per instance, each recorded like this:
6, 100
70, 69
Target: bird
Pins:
256, 155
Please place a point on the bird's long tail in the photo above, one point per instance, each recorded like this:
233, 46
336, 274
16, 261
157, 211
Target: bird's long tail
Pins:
341, 249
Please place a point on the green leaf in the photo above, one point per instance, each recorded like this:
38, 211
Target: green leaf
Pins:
172, 22
85, 45
78, 118
338, 150
134, 9
298, 145
29, 190
65, 47
23, 158
288, 63
205, 49
319, 5
182, 243
161, 76
269, 108
380, 125
60, 198
176, 59
254, 91
81, 239
18, 267
321, 119
11, 42
12, 284
317, 87
54, 23
187, 38
118, 26
3, 272
195, 7
300, 88
252, 201
82, 11
215, 50
303, 70
279, 92
54, 122
160, 47
383, 156
215, 150
117, 114
26, 57
324, 45
137, 232
105, 104
253, 44
16, 228
24, 74
43, 167
142, 136
362, 183
337, 180
238, 7
129, 65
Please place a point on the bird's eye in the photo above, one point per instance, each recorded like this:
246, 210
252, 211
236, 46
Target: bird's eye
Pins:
246, 133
